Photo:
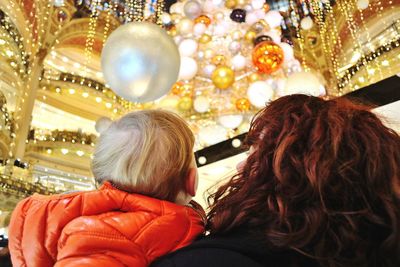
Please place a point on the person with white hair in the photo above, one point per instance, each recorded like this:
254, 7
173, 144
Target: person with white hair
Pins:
145, 165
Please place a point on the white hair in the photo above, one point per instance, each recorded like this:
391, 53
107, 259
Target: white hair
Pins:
148, 152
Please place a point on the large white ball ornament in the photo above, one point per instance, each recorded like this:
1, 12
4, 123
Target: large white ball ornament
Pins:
188, 47
185, 26
199, 29
177, 8
201, 104
257, 4
274, 18
140, 61
303, 83
275, 35
166, 18
208, 70
192, 9
234, 47
188, 68
251, 18
259, 93
221, 28
212, 134
362, 4
230, 121
238, 62
287, 51
102, 124
306, 23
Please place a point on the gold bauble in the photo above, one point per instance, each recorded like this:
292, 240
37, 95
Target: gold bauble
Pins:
223, 77
177, 88
257, 27
172, 31
242, 2
243, 104
266, 7
250, 35
185, 103
203, 19
205, 38
218, 60
230, 4
187, 90
254, 77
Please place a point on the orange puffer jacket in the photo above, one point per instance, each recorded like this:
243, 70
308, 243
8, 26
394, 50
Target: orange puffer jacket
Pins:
106, 227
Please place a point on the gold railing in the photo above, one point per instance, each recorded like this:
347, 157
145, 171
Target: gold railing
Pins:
11, 185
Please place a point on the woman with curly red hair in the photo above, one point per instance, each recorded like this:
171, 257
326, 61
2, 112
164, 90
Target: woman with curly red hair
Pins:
320, 187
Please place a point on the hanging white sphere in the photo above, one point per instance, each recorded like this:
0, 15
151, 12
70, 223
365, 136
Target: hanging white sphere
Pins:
303, 83
102, 124
178, 39
185, 26
188, 68
212, 134
362, 4
260, 13
166, 18
287, 51
259, 93
275, 35
280, 87
201, 104
234, 47
251, 18
217, 3
306, 23
188, 47
176, 8
140, 61
199, 29
208, 70
273, 18
257, 4
230, 121
208, 6
221, 28
192, 9
238, 62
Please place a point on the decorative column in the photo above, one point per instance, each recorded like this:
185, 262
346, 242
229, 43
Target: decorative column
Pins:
23, 114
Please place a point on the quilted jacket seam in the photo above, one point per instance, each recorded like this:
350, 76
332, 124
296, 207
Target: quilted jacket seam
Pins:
45, 234
188, 229
22, 230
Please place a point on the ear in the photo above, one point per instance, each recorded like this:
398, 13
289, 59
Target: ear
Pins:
191, 182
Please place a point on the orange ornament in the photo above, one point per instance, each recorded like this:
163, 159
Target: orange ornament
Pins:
243, 104
203, 19
266, 7
177, 88
267, 57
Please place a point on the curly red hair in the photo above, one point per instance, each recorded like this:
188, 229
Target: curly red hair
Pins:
323, 180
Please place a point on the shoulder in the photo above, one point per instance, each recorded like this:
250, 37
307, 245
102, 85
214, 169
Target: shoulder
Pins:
211, 251
236, 249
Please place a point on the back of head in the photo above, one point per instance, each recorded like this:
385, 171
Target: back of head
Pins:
147, 152
323, 179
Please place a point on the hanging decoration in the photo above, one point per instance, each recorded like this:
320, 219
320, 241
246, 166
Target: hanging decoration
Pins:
140, 62
231, 57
